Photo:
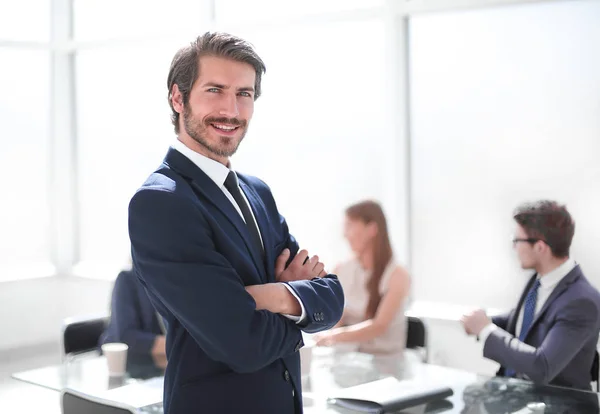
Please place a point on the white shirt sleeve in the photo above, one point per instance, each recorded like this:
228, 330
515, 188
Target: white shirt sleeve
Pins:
485, 332
302, 317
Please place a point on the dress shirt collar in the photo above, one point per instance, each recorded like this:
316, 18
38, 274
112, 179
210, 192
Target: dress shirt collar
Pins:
214, 169
552, 278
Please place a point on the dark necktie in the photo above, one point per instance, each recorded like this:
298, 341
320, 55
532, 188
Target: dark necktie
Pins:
231, 184
528, 315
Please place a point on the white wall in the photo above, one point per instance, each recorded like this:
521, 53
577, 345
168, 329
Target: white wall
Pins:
32, 310
505, 109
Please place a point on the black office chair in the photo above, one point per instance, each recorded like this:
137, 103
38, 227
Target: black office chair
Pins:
76, 402
80, 335
416, 336
596, 371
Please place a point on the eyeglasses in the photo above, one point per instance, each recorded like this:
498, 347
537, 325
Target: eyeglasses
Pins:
530, 241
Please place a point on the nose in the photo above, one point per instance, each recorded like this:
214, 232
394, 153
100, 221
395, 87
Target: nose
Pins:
229, 106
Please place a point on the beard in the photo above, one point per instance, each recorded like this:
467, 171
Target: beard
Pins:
198, 131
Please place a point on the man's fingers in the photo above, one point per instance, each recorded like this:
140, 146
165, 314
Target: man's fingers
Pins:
281, 261
318, 269
300, 258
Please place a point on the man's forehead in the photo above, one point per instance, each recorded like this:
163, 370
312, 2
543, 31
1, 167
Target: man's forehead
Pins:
215, 66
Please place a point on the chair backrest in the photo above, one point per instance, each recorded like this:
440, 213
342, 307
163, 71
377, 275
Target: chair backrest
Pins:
596, 370
416, 336
76, 402
82, 334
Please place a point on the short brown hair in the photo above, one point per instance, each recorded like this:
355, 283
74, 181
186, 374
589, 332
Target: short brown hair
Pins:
548, 221
185, 65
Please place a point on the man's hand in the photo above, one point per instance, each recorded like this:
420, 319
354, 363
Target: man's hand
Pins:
160, 345
300, 268
475, 321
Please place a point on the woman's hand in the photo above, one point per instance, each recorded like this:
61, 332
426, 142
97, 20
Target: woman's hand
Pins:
328, 338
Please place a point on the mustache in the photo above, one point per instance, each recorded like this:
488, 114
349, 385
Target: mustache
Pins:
231, 121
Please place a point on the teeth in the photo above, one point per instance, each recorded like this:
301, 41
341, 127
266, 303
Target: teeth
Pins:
224, 127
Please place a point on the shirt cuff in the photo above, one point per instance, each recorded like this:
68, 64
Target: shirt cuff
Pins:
302, 317
485, 332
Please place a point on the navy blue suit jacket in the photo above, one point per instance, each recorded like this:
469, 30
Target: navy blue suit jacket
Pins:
560, 345
133, 319
193, 252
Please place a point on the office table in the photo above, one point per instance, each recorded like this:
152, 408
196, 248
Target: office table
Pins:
332, 370
90, 373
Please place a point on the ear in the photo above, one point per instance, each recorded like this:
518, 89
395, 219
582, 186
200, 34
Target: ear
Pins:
540, 247
177, 99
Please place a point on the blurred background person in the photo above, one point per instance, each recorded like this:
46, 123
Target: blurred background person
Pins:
552, 334
133, 319
376, 287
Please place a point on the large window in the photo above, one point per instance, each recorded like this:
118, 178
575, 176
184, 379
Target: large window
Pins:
300, 133
25, 20
24, 124
505, 109
97, 20
243, 10
320, 126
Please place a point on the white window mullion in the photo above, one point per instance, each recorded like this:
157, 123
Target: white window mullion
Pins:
63, 154
397, 171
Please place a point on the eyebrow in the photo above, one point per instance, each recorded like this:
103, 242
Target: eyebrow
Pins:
221, 86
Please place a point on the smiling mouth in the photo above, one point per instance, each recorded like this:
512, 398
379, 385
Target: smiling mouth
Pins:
226, 128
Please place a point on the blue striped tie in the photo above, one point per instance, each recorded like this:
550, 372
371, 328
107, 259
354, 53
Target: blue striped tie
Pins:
528, 315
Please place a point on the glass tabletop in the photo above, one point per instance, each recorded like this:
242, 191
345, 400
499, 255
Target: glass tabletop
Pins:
331, 370
473, 394
89, 373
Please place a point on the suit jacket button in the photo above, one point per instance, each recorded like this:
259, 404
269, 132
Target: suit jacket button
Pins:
286, 375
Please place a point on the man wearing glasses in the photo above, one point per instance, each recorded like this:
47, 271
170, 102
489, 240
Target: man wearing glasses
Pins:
551, 336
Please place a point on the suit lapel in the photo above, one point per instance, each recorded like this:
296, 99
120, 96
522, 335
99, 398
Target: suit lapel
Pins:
202, 184
562, 286
260, 213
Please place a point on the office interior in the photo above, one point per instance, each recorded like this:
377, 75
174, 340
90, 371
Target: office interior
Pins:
450, 113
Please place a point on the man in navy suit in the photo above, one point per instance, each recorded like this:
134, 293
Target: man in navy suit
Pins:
133, 319
551, 336
215, 255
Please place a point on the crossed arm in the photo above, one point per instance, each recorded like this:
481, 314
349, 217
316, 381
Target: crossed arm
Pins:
175, 256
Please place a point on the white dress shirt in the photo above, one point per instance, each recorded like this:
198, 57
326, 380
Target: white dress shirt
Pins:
218, 173
548, 283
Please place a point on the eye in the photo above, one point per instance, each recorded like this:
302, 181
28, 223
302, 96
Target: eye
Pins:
246, 94
213, 90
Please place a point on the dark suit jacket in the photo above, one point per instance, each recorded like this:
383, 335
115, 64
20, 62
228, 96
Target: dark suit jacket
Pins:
133, 319
560, 345
193, 252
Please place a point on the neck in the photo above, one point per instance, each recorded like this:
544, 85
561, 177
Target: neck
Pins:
547, 267
201, 149
366, 259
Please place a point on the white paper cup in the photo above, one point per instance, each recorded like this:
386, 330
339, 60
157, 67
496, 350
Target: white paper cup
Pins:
116, 358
